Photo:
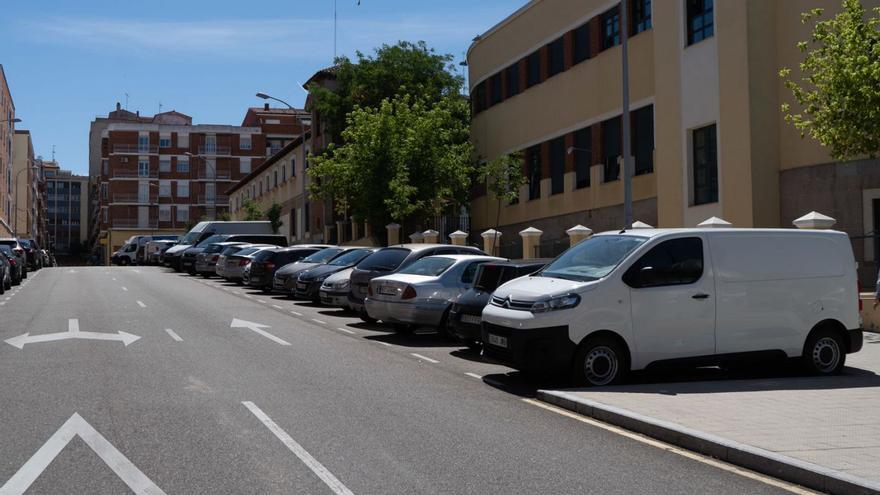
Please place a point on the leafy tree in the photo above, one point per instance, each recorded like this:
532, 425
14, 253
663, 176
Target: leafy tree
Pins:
223, 216
408, 158
839, 87
503, 177
393, 71
251, 211
273, 214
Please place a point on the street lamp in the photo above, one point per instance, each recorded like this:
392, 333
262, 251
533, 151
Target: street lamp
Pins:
17, 209
214, 180
627, 159
12, 121
269, 97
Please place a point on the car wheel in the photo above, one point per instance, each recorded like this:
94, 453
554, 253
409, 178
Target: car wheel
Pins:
3, 287
8, 283
443, 329
366, 318
824, 353
474, 345
206, 275
599, 361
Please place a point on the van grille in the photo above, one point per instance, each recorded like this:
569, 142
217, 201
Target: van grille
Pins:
506, 302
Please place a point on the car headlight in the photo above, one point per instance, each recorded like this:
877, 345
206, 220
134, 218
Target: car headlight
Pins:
342, 284
566, 301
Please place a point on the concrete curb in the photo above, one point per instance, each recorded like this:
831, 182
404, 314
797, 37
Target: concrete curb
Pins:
763, 461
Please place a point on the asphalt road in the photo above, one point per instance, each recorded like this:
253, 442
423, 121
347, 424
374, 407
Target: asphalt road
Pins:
313, 401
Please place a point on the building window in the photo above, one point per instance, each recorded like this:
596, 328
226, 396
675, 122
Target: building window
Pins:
143, 144
293, 166
183, 165
164, 188
557, 57
244, 142
283, 173
261, 188
479, 97
534, 169
164, 213
582, 157
700, 21
143, 168
641, 18
495, 89
183, 141
705, 178
306, 220
165, 141
165, 164
610, 22
275, 178
183, 189
103, 189
533, 69
244, 165
557, 165
512, 81
611, 149
581, 42
643, 139
182, 213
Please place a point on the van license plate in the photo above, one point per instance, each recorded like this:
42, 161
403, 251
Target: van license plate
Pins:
473, 320
498, 340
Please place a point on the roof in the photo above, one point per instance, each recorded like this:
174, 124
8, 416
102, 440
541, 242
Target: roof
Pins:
322, 74
501, 24
269, 162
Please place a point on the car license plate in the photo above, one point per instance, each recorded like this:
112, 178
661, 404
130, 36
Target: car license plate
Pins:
301, 285
362, 290
473, 320
387, 290
498, 340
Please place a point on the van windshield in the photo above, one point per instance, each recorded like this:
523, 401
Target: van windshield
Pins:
592, 259
190, 238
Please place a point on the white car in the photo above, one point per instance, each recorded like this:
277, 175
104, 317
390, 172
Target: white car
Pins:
334, 289
632, 300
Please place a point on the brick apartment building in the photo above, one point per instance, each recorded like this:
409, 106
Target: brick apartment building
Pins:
7, 131
66, 208
161, 174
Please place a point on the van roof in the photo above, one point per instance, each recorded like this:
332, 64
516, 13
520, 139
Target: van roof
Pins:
649, 233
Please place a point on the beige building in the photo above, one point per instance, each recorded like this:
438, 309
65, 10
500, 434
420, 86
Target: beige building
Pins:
708, 135
26, 188
7, 131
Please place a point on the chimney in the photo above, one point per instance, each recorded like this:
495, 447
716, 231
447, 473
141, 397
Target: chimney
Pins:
138, 113
118, 106
265, 106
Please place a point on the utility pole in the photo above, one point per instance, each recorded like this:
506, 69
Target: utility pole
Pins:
627, 158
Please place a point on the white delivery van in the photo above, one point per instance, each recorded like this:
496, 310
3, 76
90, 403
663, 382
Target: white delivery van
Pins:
203, 230
630, 300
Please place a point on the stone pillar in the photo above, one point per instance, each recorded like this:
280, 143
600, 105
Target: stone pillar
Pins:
393, 233
340, 231
578, 233
814, 220
416, 238
458, 238
531, 239
715, 223
430, 236
491, 238
368, 232
328, 234
355, 235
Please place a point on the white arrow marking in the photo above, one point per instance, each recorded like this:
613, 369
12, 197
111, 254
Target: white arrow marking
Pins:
76, 425
173, 335
71, 333
257, 328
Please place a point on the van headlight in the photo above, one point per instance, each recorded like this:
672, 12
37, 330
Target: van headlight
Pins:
566, 301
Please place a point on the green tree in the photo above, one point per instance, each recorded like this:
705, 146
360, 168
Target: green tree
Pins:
503, 177
251, 211
393, 71
838, 88
223, 216
273, 214
406, 159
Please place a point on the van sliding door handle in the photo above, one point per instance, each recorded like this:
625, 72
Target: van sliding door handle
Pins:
700, 296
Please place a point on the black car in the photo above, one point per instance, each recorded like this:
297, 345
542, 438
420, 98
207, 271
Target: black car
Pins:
308, 282
32, 252
14, 264
188, 260
266, 262
389, 260
18, 251
465, 316
5, 274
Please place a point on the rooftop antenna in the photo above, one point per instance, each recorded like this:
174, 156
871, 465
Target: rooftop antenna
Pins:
53, 152
160, 107
126, 101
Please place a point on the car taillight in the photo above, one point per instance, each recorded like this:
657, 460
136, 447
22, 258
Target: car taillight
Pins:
215, 258
243, 262
409, 292
859, 295
12, 261
270, 266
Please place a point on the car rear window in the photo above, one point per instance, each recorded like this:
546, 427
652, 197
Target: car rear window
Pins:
429, 267
247, 251
214, 248
294, 255
265, 254
489, 277
384, 259
350, 258
9, 243
229, 251
323, 255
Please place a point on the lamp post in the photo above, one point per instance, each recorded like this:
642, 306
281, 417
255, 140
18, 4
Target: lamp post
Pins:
627, 159
213, 180
12, 121
17, 209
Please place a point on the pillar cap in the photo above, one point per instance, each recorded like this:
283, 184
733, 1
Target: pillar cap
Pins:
490, 233
579, 230
393, 226
715, 223
531, 232
641, 225
430, 232
417, 235
814, 220
458, 234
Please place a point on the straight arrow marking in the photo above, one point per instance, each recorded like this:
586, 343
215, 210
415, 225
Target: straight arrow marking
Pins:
76, 425
258, 329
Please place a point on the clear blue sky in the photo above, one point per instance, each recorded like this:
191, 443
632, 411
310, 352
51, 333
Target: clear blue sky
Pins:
68, 61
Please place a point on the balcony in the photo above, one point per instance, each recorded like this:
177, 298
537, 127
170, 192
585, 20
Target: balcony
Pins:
134, 199
213, 200
208, 174
135, 149
134, 174
134, 223
215, 151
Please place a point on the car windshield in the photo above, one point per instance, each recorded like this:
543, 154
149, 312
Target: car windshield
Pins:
429, 267
323, 255
190, 238
232, 250
350, 258
212, 240
384, 260
592, 259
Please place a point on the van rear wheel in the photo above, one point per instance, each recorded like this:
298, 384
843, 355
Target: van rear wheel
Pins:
824, 353
598, 362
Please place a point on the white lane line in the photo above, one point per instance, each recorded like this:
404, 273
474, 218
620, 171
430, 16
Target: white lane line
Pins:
671, 448
346, 330
141, 304
434, 361
326, 476
319, 321
474, 375
2, 303
261, 301
114, 279
277, 306
248, 296
125, 289
173, 334
386, 344
297, 314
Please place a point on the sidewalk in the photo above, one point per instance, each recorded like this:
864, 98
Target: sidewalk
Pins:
823, 433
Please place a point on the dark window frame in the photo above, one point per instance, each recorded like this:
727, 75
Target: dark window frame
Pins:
583, 155
581, 44
611, 148
534, 171
704, 146
557, 165
512, 73
496, 88
533, 69
699, 20
641, 16
556, 57
675, 250
642, 122
609, 22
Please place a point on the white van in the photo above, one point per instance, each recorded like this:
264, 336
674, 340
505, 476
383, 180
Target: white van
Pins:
203, 230
631, 300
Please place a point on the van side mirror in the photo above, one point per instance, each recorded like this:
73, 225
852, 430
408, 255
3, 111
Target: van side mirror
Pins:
637, 277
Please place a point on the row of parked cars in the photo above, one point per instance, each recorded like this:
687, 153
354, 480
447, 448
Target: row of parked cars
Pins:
17, 256
617, 302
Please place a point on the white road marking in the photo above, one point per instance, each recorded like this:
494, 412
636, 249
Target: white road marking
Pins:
386, 344
474, 375
261, 301
248, 296
671, 448
434, 361
346, 330
71, 333
258, 329
326, 476
277, 306
319, 321
297, 314
77, 426
125, 289
173, 334
141, 304
114, 279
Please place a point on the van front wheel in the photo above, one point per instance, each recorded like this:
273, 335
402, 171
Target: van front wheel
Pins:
824, 353
600, 361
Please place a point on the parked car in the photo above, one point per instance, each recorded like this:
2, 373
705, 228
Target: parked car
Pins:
334, 290
203, 230
220, 266
644, 298
5, 274
389, 260
268, 261
47, 259
465, 315
421, 294
308, 282
125, 255
233, 270
19, 251
188, 259
285, 278
206, 261
32, 253
154, 248
14, 262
